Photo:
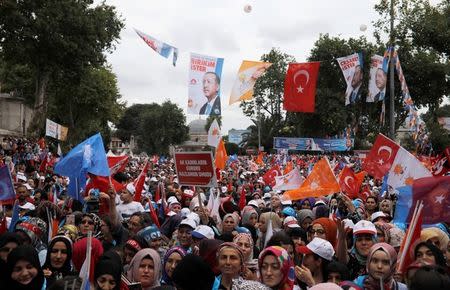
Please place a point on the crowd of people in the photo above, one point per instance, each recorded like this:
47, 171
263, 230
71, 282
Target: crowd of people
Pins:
177, 237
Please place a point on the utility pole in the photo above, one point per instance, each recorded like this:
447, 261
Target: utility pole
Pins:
391, 78
259, 122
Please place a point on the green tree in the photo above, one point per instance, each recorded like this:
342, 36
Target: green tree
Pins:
87, 107
55, 36
155, 126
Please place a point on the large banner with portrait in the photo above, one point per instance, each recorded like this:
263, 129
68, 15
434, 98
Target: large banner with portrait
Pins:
351, 67
312, 144
204, 85
378, 78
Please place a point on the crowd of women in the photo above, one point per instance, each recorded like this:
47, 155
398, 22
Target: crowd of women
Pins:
177, 242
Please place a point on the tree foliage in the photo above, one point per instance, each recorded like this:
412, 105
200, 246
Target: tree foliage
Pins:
154, 126
53, 37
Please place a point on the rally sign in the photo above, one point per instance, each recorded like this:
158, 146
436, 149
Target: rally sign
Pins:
55, 130
195, 169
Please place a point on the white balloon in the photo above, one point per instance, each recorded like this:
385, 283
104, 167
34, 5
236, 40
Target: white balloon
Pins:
363, 27
248, 8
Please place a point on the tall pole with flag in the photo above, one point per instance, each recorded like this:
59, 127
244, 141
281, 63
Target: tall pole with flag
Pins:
391, 78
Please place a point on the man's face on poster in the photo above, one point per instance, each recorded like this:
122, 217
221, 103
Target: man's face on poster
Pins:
357, 77
210, 85
380, 79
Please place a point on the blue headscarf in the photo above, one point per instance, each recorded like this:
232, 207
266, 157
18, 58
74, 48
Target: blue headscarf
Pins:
165, 278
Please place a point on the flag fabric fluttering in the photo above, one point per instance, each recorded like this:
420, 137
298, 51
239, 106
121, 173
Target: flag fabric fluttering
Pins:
269, 176
86, 267
349, 182
7, 192
411, 239
214, 134
221, 155
248, 73
14, 217
89, 156
140, 180
321, 181
435, 194
381, 157
117, 163
405, 169
289, 181
160, 47
300, 87
242, 199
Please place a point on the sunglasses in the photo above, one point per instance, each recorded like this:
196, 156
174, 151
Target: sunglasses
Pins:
87, 222
319, 231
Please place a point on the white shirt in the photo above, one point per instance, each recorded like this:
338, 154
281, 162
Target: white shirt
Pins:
126, 210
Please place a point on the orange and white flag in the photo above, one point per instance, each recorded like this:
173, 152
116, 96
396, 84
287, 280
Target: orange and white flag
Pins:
214, 134
221, 155
291, 180
321, 181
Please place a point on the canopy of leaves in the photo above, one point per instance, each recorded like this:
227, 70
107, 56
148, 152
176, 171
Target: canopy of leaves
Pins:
154, 126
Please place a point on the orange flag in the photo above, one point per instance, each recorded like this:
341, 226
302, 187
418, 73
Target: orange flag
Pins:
321, 181
221, 155
288, 168
259, 159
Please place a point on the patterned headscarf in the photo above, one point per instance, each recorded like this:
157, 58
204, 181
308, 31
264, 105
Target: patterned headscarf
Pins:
287, 266
250, 240
233, 246
392, 255
165, 278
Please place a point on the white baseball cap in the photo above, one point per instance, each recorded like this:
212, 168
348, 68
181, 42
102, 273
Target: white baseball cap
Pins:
291, 222
172, 200
318, 246
189, 222
22, 177
203, 232
27, 206
130, 187
286, 202
378, 214
364, 227
253, 203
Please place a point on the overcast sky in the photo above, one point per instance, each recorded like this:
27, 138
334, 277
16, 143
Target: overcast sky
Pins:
222, 29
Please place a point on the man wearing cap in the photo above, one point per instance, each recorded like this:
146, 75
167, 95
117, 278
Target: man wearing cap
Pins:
316, 257
128, 205
184, 233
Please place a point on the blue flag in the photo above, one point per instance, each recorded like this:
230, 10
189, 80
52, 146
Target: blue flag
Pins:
88, 156
404, 203
6, 185
14, 217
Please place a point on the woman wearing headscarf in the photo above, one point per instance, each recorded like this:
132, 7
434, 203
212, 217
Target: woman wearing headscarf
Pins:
108, 272
263, 223
145, 268
323, 228
8, 242
231, 264
305, 218
249, 216
386, 206
207, 251
245, 243
381, 265
24, 270
383, 232
58, 261
428, 253
79, 255
229, 222
170, 261
276, 268
307, 203
89, 222
436, 236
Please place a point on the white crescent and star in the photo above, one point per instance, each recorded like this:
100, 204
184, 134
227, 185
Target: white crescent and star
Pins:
346, 180
387, 149
298, 73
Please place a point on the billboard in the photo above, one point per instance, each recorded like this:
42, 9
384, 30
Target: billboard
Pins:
313, 144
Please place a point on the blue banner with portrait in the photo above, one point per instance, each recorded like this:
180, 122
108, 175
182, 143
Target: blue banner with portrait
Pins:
313, 144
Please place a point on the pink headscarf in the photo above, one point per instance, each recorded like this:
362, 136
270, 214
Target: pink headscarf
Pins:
132, 272
372, 283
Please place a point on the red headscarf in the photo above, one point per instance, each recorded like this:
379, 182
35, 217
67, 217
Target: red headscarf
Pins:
79, 255
330, 228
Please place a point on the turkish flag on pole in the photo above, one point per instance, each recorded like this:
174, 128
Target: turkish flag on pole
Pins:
381, 156
349, 182
139, 181
300, 87
269, 176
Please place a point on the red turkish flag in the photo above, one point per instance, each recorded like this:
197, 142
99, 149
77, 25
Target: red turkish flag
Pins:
300, 87
365, 193
117, 163
435, 194
349, 183
381, 156
139, 181
269, 177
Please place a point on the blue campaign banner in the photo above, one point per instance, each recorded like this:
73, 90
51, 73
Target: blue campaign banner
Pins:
313, 144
